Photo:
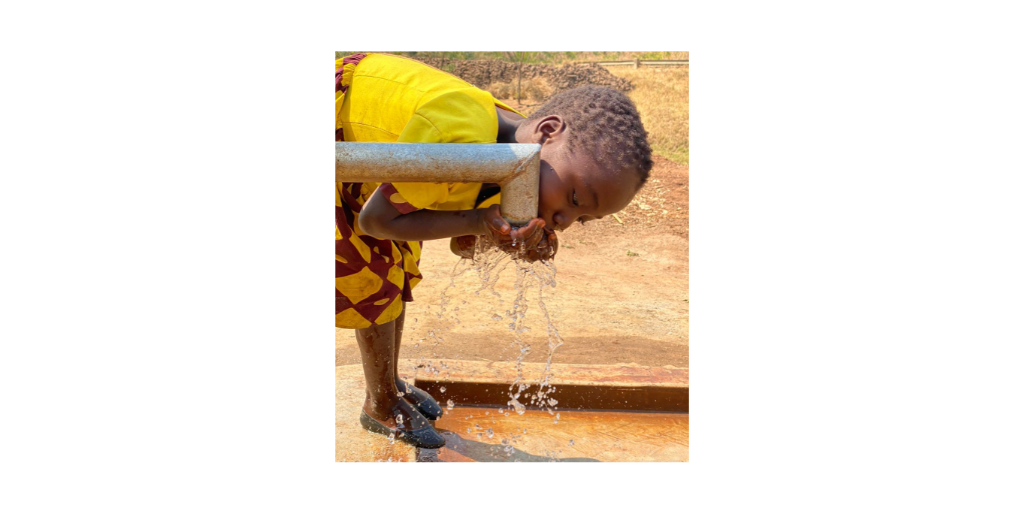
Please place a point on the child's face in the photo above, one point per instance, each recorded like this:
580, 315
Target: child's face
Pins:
573, 187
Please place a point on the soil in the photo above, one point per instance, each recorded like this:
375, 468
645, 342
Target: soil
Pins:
622, 294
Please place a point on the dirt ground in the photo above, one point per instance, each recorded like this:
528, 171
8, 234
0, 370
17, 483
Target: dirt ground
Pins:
622, 294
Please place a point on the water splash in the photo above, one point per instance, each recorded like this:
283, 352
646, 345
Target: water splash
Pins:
540, 275
489, 264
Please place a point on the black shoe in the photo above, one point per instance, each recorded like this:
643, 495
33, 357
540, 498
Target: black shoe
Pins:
421, 400
424, 437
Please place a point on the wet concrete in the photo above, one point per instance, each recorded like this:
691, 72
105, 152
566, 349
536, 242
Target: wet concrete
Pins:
610, 413
597, 436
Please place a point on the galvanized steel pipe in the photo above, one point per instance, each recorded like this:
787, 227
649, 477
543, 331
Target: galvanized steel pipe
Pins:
515, 167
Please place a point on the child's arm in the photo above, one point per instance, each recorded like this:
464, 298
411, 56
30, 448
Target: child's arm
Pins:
380, 219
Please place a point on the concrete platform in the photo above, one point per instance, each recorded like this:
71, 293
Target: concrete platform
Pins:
604, 413
352, 443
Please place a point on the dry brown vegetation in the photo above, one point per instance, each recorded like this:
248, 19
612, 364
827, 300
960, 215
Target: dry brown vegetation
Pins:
663, 98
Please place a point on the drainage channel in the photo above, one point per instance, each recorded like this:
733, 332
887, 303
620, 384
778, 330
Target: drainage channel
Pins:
605, 413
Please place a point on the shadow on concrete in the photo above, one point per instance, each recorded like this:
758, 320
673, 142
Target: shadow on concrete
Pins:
467, 450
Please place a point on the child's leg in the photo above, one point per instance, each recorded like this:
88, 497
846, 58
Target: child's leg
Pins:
399, 328
416, 396
377, 348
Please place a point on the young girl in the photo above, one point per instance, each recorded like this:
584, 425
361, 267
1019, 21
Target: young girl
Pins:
594, 158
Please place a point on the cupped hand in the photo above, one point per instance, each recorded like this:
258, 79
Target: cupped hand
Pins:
531, 242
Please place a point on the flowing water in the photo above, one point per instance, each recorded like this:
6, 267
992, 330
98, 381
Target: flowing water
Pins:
490, 265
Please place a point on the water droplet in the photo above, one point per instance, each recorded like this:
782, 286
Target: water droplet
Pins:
501, 411
398, 419
490, 433
558, 416
520, 408
551, 401
469, 431
571, 442
391, 438
451, 405
442, 389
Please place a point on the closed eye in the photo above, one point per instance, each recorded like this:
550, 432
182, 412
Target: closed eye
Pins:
575, 202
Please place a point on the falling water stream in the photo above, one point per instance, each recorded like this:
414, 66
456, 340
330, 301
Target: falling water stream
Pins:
490, 264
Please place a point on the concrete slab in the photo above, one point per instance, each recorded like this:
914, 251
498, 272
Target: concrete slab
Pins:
476, 434
352, 443
604, 413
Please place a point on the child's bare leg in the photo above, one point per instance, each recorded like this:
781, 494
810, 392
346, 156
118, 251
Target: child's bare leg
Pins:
425, 403
377, 348
399, 328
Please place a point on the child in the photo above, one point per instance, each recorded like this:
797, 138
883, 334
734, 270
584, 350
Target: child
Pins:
594, 158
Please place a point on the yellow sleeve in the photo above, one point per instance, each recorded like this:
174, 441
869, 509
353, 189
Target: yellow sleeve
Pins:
459, 116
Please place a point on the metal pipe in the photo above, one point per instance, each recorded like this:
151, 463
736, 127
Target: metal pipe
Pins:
515, 167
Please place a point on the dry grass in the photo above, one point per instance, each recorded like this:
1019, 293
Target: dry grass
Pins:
663, 98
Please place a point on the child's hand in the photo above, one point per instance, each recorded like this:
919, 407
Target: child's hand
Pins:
531, 242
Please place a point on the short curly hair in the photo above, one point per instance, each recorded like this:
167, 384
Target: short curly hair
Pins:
606, 124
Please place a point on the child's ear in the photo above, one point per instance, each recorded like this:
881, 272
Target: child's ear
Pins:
550, 127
